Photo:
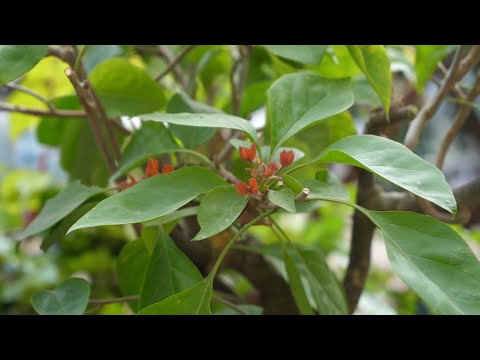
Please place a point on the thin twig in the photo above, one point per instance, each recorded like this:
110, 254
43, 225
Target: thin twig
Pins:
458, 123
81, 55
38, 112
30, 92
456, 90
416, 127
230, 305
114, 300
166, 54
174, 62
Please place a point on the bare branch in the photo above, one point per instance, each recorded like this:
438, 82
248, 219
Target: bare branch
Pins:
458, 123
38, 112
166, 54
30, 92
175, 61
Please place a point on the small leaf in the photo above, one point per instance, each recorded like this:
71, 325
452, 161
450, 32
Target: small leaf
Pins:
292, 183
60, 206
283, 197
395, 163
375, 65
427, 58
70, 298
306, 54
296, 101
16, 60
218, 210
205, 120
193, 301
296, 286
126, 89
151, 198
190, 137
168, 272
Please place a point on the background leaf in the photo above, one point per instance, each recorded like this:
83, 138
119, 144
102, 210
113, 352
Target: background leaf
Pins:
427, 58
16, 60
307, 54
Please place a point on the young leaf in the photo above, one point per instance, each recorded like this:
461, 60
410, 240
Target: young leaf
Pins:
205, 120
193, 301
70, 298
126, 89
190, 137
218, 210
151, 198
292, 183
16, 60
432, 259
306, 54
283, 197
60, 206
374, 63
296, 101
168, 272
296, 286
395, 163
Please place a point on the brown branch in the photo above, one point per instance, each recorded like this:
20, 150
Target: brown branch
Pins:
456, 90
458, 123
173, 63
416, 127
237, 77
165, 53
38, 112
30, 92
114, 300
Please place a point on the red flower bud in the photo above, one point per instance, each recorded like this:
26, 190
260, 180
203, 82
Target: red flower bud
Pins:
152, 167
286, 157
270, 170
167, 168
244, 189
253, 185
125, 184
248, 154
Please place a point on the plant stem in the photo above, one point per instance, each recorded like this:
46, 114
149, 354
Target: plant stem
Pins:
80, 56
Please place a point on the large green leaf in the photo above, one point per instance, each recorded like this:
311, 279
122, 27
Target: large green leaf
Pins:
132, 264
374, 63
432, 259
16, 60
126, 89
151, 198
283, 197
70, 298
427, 58
296, 101
168, 272
60, 206
329, 186
152, 138
307, 54
218, 210
393, 162
205, 120
296, 286
190, 137
193, 301
97, 53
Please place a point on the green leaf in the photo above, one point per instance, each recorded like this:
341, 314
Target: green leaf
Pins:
152, 138
190, 137
57, 233
296, 286
151, 198
205, 120
296, 101
218, 210
325, 288
132, 264
168, 272
427, 58
60, 206
307, 54
283, 197
292, 183
374, 63
173, 216
247, 308
193, 301
432, 259
126, 89
98, 53
16, 60
70, 298
337, 63
395, 163
329, 187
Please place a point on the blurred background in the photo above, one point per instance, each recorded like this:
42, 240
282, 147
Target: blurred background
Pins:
31, 172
